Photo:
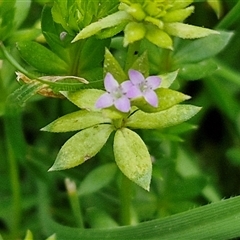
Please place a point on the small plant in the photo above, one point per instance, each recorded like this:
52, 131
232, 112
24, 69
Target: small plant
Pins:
114, 72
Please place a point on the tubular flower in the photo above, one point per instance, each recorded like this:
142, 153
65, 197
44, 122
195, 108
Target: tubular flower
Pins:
157, 20
115, 95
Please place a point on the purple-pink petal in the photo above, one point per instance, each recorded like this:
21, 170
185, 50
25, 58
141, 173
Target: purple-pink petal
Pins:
110, 83
126, 86
104, 101
134, 92
135, 76
123, 104
151, 97
153, 81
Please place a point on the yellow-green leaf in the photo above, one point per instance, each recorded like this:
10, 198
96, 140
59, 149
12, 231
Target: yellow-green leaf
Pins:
82, 146
132, 157
76, 121
170, 117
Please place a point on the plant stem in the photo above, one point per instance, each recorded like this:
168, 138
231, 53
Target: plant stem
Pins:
232, 17
226, 72
74, 201
10, 58
15, 186
125, 198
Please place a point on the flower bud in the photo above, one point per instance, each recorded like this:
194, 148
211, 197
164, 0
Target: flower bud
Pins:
159, 37
133, 32
178, 15
135, 10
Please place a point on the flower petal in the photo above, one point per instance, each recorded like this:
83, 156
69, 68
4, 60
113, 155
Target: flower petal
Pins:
110, 83
104, 101
134, 92
135, 76
153, 81
126, 86
123, 104
151, 97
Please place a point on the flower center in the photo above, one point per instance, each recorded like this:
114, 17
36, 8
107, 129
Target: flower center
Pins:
117, 93
143, 86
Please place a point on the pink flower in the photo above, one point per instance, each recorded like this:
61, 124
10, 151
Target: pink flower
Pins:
138, 86
115, 95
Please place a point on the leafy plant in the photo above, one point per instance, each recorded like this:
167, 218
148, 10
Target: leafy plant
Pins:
120, 75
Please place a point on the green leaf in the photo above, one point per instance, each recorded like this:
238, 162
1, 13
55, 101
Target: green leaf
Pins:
112, 66
214, 221
107, 22
29, 235
193, 71
168, 79
52, 237
132, 157
51, 32
85, 99
159, 37
166, 97
201, 49
21, 12
82, 146
216, 6
92, 53
133, 32
183, 30
7, 13
141, 64
170, 117
76, 121
24, 35
97, 179
41, 58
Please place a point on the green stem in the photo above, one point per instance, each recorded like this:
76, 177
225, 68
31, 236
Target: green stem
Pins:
232, 17
125, 198
228, 73
10, 58
74, 201
132, 54
15, 186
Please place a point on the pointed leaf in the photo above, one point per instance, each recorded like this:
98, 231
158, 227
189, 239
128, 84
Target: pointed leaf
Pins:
76, 121
41, 58
132, 157
97, 179
216, 6
183, 30
85, 99
159, 38
92, 53
112, 66
168, 79
29, 235
133, 32
82, 146
195, 71
201, 49
170, 117
141, 64
107, 22
166, 99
